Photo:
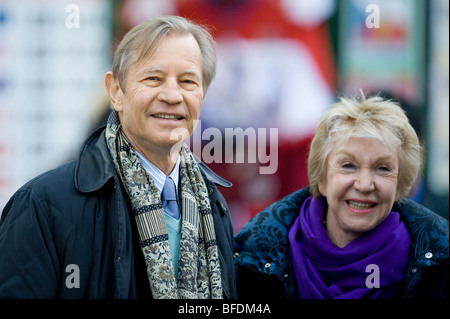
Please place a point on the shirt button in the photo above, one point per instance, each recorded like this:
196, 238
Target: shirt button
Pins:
267, 265
236, 254
428, 255
285, 275
119, 259
414, 270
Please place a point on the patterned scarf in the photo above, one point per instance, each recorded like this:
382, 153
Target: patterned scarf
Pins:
199, 274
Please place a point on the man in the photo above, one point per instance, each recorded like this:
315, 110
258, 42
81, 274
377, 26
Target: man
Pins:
104, 226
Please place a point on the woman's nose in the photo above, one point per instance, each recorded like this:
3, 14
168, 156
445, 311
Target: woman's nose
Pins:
364, 181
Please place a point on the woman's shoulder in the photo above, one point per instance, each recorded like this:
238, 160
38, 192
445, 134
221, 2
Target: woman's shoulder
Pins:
419, 218
280, 215
264, 238
429, 232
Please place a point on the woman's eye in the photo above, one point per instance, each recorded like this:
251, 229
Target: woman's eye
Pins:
384, 169
348, 166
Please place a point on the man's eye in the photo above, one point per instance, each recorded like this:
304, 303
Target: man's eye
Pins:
152, 78
187, 81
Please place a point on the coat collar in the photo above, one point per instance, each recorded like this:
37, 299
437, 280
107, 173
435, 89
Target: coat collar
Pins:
212, 177
95, 167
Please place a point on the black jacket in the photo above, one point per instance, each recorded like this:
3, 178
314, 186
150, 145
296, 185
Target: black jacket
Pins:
68, 233
264, 268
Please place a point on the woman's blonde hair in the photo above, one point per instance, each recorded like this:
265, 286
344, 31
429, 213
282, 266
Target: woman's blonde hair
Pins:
372, 117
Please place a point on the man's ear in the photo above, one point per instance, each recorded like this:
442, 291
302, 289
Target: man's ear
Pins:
114, 91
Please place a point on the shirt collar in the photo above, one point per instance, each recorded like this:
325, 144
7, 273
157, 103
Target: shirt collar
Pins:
157, 175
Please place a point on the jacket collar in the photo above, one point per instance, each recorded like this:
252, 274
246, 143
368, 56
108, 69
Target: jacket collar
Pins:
212, 177
95, 166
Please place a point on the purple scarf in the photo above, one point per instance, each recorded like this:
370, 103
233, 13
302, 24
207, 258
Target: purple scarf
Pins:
324, 270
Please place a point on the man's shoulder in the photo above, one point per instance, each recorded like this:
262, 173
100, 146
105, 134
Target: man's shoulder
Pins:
55, 183
59, 179
213, 177
47, 191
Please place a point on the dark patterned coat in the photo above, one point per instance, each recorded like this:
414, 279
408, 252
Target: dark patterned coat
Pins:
264, 268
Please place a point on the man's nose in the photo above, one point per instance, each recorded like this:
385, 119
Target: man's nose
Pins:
170, 92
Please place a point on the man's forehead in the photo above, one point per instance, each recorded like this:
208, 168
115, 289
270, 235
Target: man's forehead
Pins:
142, 52
142, 59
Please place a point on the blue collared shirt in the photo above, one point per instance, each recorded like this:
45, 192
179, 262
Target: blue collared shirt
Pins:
157, 175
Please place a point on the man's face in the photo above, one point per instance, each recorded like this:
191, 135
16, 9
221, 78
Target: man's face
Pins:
162, 96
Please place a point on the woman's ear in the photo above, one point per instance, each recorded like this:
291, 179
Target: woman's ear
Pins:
322, 189
114, 91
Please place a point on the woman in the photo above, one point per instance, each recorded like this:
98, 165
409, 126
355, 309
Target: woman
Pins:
352, 233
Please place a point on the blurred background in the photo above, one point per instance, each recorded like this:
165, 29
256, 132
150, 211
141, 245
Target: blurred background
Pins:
281, 63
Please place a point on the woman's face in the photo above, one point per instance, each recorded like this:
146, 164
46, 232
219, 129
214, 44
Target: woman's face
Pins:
360, 187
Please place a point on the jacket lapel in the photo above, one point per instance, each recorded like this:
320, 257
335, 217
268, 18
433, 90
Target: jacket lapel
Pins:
94, 166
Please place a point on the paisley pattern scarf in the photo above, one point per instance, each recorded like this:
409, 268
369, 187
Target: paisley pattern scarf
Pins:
199, 274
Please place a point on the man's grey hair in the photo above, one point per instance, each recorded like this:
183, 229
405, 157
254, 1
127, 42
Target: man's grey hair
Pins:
141, 42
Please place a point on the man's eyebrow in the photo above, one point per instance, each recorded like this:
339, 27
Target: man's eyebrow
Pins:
191, 72
151, 69
156, 69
